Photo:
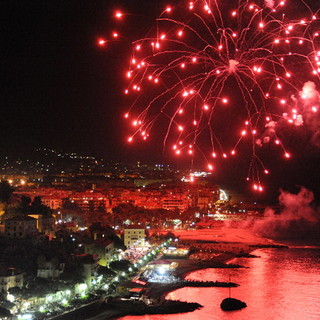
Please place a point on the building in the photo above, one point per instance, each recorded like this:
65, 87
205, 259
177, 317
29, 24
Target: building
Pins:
89, 201
44, 223
180, 202
20, 227
101, 249
52, 202
131, 289
49, 268
88, 264
10, 278
134, 235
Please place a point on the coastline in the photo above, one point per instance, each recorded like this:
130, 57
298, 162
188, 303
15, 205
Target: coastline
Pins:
186, 266
234, 239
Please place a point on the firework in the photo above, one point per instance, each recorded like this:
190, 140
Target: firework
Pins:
216, 76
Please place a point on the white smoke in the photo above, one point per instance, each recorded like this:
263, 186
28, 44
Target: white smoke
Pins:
303, 110
269, 3
309, 91
298, 219
310, 105
268, 133
232, 65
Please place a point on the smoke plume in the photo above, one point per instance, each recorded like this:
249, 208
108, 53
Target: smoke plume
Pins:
297, 219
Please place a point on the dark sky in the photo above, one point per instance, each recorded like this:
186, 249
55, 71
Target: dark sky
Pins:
59, 90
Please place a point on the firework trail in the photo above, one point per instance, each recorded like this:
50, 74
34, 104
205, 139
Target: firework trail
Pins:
215, 76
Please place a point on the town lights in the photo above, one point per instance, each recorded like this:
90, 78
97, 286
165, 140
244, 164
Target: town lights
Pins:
83, 287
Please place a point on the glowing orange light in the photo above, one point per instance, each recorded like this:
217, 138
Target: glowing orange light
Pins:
287, 155
210, 167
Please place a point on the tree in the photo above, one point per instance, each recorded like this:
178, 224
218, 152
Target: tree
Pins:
37, 207
120, 266
5, 191
123, 212
105, 272
24, 205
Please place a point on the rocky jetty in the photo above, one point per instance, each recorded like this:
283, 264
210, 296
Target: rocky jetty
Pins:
231, 304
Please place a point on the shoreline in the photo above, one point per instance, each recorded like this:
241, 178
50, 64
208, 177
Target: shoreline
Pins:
235, 243
161, 290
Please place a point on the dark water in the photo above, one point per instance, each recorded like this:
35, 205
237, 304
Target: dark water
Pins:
280, 285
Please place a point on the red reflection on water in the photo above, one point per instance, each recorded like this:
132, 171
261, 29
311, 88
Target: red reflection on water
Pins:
281, 284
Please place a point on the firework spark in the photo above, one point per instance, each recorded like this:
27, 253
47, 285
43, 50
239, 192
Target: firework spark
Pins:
222, 75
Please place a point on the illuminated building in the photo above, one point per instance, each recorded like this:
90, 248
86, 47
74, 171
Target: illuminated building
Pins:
175, 201
89, 201
10, 278
134, 236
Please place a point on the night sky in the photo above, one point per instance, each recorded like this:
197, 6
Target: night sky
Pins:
60, 90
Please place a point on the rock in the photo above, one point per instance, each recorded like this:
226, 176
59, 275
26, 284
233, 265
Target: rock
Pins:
230, 304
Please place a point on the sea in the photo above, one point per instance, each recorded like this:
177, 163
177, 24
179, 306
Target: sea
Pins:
279, 284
